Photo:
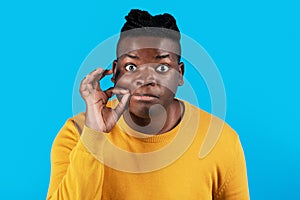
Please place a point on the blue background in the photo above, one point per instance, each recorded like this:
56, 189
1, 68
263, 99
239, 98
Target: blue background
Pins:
255, 45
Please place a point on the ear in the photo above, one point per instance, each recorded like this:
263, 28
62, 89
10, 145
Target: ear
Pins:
114, 69
181, 72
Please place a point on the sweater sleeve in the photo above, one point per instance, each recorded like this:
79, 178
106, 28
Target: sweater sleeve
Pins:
236, 184
75, 172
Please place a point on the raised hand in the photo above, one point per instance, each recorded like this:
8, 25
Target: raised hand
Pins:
98, 116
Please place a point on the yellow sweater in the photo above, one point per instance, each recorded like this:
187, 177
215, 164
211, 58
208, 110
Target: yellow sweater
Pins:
125, 164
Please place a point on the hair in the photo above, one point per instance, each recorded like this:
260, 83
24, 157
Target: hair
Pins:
142, 23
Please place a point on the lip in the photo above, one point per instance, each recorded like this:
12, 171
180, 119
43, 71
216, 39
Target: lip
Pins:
144, 97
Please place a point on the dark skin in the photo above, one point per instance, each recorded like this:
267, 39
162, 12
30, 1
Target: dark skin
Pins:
146, 80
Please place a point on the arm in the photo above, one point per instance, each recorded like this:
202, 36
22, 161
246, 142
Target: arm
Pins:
236, 184
75, 172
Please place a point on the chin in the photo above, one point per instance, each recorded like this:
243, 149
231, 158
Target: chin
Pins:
140, 109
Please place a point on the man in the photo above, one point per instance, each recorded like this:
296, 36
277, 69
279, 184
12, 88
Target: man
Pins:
144, 144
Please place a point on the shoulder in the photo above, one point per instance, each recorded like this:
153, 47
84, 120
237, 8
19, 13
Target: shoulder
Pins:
214, 135
69, 134
73, 126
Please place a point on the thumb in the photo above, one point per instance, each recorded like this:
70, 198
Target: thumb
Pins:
122, 105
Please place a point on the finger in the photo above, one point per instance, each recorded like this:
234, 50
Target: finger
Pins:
94, 77
83, 82
111, 91
83, 87
108, 71
98, 74
101, 70
122, 105
91, 77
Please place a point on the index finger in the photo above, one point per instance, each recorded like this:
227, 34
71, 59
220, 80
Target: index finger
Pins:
113, 90
96, 75
100, 73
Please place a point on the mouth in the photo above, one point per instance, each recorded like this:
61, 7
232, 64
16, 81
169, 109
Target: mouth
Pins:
144, 97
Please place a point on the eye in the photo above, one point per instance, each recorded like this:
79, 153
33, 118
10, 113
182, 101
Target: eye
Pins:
162, 68
130, 67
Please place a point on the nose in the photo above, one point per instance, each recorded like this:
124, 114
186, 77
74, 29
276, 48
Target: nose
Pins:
145, 76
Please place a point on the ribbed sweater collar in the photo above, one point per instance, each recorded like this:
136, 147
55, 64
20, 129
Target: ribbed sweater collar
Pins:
159, 138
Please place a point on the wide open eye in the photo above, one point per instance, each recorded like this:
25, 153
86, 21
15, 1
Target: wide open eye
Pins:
130, 67
162, 68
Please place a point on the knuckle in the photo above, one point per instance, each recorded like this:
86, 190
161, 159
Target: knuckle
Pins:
81, 89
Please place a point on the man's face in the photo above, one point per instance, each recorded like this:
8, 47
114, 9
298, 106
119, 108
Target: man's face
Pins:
149, 69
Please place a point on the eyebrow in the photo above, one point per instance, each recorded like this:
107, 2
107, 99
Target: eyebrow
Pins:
162, 56
130, 56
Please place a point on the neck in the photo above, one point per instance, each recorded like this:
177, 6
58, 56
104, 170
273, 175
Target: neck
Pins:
160, 119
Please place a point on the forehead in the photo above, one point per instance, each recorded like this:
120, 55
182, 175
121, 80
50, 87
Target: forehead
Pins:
130, 44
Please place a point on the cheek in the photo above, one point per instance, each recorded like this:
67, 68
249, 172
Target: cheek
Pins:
124, 81
170, 82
